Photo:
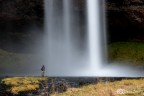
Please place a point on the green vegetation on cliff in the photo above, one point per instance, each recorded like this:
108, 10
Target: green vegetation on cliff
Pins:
126, 52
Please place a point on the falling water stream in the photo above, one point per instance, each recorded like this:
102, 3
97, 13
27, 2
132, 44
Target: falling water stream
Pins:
94, 36
62, 51
63, 56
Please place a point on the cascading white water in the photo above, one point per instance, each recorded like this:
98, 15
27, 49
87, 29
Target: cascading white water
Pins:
94, 37
62, 52
96, 44
63, 56
67, 28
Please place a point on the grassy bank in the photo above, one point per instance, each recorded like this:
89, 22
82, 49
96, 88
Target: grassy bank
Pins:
133, 87
17, 85
126, 52
25, 85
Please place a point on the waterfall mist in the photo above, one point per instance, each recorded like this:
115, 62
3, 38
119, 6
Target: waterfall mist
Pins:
73, 44
63, 51
63, 55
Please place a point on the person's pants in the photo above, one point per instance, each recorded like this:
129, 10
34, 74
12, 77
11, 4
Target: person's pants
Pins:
42, 74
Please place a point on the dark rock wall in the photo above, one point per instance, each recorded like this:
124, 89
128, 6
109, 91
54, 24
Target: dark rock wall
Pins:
16, 18
125, 20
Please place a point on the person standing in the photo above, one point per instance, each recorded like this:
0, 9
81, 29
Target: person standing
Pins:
43, 70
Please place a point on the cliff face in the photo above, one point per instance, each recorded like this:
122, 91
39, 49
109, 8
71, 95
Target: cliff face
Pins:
125, 20
16, 18
21, 9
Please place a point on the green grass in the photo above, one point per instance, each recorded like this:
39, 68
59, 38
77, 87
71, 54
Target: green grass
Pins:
126, 52
133, 87
22, 84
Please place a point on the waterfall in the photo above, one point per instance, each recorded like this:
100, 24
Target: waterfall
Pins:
94, 37
73, 44
67, 28
63, 53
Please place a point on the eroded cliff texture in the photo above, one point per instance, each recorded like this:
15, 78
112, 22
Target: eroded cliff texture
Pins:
125, 20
